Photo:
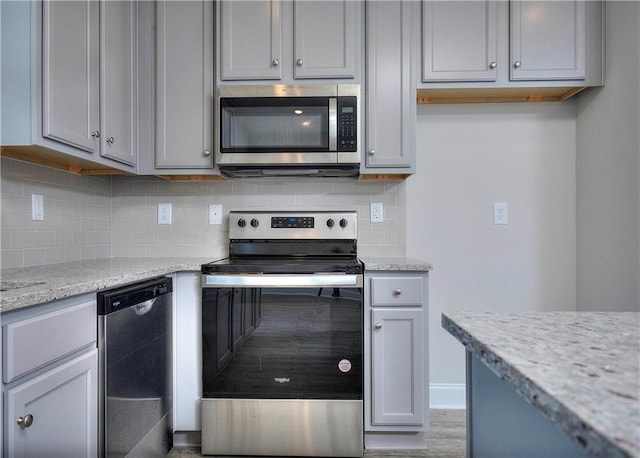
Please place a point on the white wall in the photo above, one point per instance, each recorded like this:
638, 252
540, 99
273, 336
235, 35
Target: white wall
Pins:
470, 156
608, 172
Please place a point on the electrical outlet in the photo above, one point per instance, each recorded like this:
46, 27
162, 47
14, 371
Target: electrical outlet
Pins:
215, 214
164, 213
37, 207
377, 212
500, 213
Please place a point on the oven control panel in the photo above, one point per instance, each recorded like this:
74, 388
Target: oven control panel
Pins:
293, 224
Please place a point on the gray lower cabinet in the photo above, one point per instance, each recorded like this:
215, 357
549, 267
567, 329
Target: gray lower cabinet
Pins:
50, 379
289, 40
391, 36
396, 368
184, 86
511, 44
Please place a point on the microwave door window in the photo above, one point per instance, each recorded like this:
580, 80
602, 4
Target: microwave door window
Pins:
275, 128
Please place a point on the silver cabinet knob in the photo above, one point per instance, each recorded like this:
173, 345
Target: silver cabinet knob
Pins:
275, 62
25, 421
110, 140
397, 292
207, 153
378, 325
95, 134
299, 62
517, 64
493, 65
372, 152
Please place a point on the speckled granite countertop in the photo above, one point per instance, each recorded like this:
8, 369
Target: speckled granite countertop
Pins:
35, 285
39, 284
395, 263
581, 369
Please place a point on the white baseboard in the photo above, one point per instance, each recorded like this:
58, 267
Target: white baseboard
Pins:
447, 396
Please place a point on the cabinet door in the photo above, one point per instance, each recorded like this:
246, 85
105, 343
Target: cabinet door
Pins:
398, 381
118, 89
184, 84
250, 44
390, 89
70, 73
548, 40
459, 41
324, 38
63, 405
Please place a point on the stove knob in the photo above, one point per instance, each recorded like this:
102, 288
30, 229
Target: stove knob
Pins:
343, 222
242, 223
330, 222
254, 222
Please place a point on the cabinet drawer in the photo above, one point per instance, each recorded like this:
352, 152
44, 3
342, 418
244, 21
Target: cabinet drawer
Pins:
403, 291
34, 342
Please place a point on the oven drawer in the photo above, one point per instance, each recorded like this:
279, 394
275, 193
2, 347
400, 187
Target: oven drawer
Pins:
37, 341
397, 291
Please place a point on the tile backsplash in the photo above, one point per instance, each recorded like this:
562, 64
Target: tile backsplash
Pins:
95, 217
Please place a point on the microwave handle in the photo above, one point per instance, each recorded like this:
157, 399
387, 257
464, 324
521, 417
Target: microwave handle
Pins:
333, 124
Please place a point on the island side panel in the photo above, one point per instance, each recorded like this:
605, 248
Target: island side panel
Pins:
500, 423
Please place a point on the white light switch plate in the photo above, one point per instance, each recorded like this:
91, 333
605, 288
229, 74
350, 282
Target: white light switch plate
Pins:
215, 214
37, 207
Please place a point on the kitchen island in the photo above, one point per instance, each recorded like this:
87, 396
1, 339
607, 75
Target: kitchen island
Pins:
551, 383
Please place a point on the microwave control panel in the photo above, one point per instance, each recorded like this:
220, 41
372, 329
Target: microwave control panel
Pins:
347, 122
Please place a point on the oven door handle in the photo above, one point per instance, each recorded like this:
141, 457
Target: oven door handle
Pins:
282, 281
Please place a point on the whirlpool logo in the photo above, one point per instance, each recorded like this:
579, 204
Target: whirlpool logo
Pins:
281, 379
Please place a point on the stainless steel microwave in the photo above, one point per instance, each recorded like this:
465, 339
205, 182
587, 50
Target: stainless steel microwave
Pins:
288, 130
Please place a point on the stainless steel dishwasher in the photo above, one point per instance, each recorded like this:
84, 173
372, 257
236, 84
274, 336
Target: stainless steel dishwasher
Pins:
135, 369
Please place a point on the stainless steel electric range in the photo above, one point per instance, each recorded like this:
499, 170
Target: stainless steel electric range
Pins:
282, 337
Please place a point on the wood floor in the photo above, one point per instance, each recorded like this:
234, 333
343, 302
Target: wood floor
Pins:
446, 439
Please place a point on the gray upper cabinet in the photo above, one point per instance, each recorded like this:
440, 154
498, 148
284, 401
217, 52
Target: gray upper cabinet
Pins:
71, 91
289, 40
459, 41
324, 39
184, 84
119, 80
390, 86
552, 45
548, 40
70, 80
250, 40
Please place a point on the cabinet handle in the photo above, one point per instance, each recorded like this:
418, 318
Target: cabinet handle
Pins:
110, 140
397, 292
493, 65
372, 152
207, 153
299, 62
95, 134
275, 62
378, 325
25, 421
517, 64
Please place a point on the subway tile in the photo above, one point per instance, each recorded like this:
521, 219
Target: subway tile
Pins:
21, 240
11, 258
34, 256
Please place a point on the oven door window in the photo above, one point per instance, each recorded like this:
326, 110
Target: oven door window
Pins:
274, 124
282, 343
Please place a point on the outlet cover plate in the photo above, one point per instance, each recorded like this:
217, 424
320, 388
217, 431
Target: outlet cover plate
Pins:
500, 213
37, 207
164, 213
377, 212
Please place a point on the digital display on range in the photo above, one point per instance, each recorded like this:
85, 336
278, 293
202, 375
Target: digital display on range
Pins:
296, 222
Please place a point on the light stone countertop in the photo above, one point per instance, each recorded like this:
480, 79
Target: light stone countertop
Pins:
394, 264
45, 283
581, 369
28, 286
